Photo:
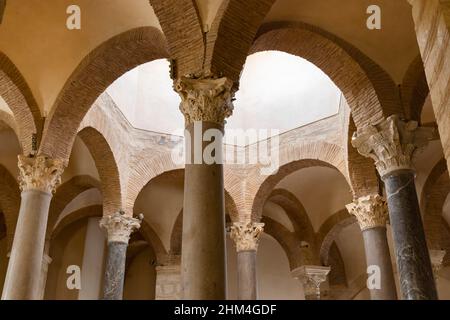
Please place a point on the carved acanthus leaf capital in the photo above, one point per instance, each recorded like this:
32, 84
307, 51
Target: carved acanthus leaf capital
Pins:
391, 143
437, 259
205, 99
246, 235
119, 226
39, 173
371, 211
311, 277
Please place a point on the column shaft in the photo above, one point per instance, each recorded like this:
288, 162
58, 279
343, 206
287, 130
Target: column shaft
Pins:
203, 258
25, 263
247, 283
115, 271
377, 254
413, 261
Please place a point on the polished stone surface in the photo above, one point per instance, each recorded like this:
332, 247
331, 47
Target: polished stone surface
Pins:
413, 260
247, 282
115, 271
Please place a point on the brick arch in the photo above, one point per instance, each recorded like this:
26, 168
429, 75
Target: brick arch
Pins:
414, 89
291, 159
435, 192
10, 122
361, 170
107, 167
337, 275
144, 169
9, 202
370, 92
19, 98
296, 213
91, 78
65, 193
75, 216
231, 35
180, 22
329, 231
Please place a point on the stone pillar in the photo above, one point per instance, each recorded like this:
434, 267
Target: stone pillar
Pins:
38, 179
206, 102
246, 237
93, 260
433, 36
311, 278
168, 282
46, 260
391, 144
119, 228
372, 215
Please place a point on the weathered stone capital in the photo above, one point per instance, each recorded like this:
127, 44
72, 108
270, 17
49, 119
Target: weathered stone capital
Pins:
205, 99
119, 226
371, 211
246, 235
391, 143
311, 277
39, 173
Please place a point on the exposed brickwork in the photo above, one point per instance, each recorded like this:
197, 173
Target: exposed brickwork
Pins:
182, 27
231, 35
65, 194
369, 91
9, 202
91, 78
432, 24
414, 90
16, 93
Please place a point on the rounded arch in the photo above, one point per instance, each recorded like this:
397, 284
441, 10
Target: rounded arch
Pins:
65, 193
9, 202
19, 98
293, 159
414, 89
10, 122
91, 78
370, 92
107, 168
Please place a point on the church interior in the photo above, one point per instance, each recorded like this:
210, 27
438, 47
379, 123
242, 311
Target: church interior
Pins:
328, 123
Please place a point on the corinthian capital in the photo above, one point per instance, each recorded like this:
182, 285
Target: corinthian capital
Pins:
39, 173
370, 211
312, 278
391, 143
119, 226
246, 235
205, 99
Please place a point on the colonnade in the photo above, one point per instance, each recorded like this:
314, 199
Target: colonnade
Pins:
206, 103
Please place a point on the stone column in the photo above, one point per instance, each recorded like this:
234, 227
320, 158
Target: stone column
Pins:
391, 144
119, 228
433, 37
311, 278
206, 102
246, 237
372, 215
46, 260
38, 179
168, 282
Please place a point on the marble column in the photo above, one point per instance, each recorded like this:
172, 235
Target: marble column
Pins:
372, 215
391, 144
206, 103
311, 277
38, 179
246, 237
168, 282
119, 227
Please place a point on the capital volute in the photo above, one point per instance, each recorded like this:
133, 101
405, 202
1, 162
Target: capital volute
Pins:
40, 173
119, 226
371, 211
246, 235
205, 98
391, 143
